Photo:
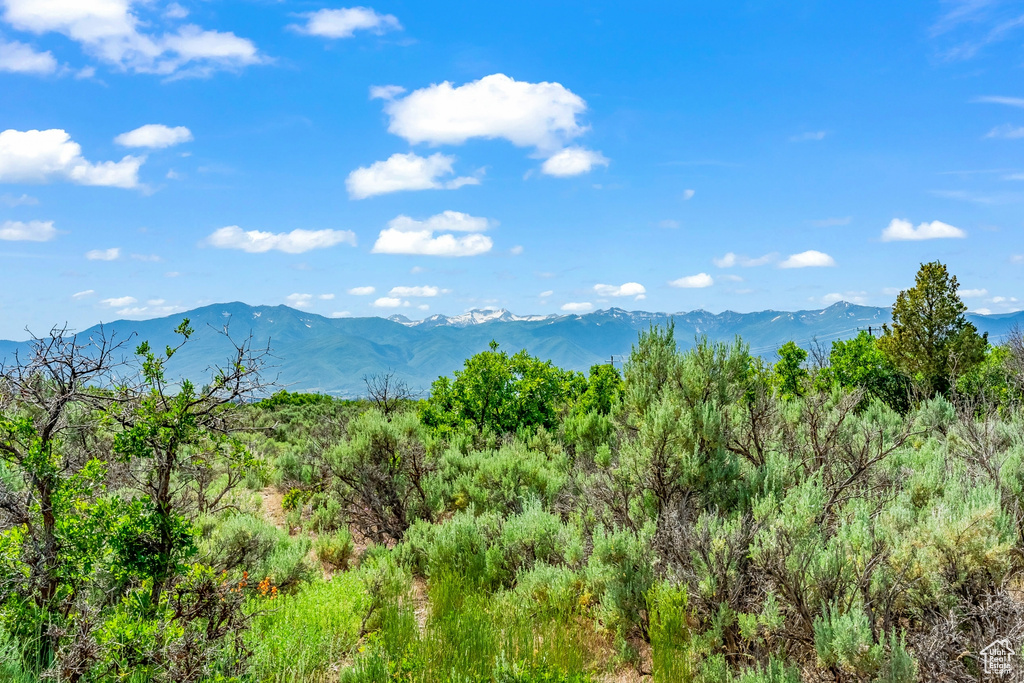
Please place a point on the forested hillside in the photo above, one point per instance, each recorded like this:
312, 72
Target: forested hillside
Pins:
852, 512
312, 353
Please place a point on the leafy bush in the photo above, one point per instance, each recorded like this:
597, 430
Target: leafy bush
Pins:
335, 549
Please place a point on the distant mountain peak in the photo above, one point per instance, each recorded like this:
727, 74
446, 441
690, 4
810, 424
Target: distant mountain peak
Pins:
476, 316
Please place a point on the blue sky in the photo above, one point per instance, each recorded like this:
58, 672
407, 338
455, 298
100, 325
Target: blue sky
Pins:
422, 158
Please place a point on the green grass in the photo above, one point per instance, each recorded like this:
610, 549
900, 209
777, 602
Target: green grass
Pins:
302, 636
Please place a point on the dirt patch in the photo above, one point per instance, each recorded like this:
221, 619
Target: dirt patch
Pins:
273, 511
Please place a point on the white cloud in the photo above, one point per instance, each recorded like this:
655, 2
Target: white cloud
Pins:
1004, 299
147, 258
344, 22
540, 115
325, 297
516, 250
688, 195
385, 92
425, 290
83, 294
808, 259
545, 294
627, 289
299, 300
982, 311
405, 235
110, 31
391, 241
405, 172
1017, 258
30, 231
23, 200
995, 99
362, 291
119, 301
573, 161
294, 242
39, 156
424, 307
175, 11
1006, 132
154, 136
20, 58
698, 281
387, 302
111, 254
809, 136
577, 306
731, 259
446, 221
340, 314
902, 230
973, 293
668, 223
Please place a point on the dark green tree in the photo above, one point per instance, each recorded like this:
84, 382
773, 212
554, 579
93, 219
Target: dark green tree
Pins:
858, 363
930, 340
501, 393
790, 372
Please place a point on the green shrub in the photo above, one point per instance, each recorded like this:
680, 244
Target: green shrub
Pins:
335, 549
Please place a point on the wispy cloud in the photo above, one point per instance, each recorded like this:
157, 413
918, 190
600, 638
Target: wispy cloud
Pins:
809, 136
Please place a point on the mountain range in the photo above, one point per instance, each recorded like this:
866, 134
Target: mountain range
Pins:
333, 355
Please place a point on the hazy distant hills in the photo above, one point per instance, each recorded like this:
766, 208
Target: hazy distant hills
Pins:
331, 355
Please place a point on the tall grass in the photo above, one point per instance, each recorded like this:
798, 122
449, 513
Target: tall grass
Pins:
305, 636
471, 635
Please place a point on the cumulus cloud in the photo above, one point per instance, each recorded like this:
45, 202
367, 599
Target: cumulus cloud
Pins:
698, 281
39, 156
446, 221
388, 302
577, 306
405, 172
421, 291
300, 300
27, 231
111, 254
112, 32
573, 161
808, 259
541, 115
405, 235
344, 22
119, 301
362, 291
294, 242
626, 289
731, 259
20, 58
972, 293
154, 136
903, 230
340, 314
